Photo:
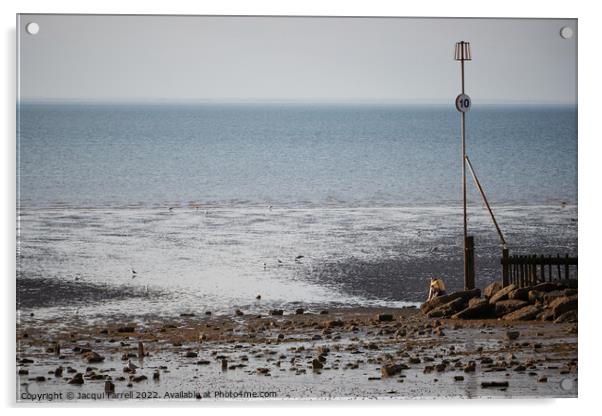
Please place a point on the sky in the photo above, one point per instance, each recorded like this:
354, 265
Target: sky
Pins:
202, 58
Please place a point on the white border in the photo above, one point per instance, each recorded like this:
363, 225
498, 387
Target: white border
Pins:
589, 173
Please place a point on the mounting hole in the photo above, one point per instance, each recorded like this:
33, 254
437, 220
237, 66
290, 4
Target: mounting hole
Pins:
567, 384
566, 32
32, 28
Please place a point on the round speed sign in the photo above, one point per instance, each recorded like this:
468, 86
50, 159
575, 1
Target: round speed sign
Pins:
463, 103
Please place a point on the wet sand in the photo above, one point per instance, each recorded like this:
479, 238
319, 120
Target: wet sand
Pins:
344, 353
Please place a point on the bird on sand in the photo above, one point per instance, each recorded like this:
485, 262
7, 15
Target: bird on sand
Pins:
258, 297
299, 258
134, 273
131, 365
279, 263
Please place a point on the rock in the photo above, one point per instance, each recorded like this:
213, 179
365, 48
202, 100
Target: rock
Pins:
535, 296
448, 309
512, 335
426, 307
77, 379
186, 315
569, 316
542, 379
156, 375
140, 349
549, 297
384, 317
493, 384
334, 323
502, 294
109, 387
519, 367
563, 304
520, 294
389, 370
276, 312
93, 357
569, 283
299, 311
504, 307
324, 312
458, 378
477, 301
479, 310
138, 379
491, 289
263, 371
526, 313
39, 379
316, 364
546, 287
238, 312
546, 315
58, 372
470, 367
203, 362
23, 372
191, 354
126, 329
224, 364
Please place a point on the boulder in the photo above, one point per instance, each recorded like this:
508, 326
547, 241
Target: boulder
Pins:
504, 307
502, 294
479, 310
426, 307
317, 364
92, 357
552, 296
535, 296
77, 379
570, 316
276, 312
546, 315
390, 370
526, 313
491, 289
520, 294
448, 309
546, 287
477, 301
384, 317
563, 304
512, 335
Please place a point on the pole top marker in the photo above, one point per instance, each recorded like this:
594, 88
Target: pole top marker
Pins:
462, 51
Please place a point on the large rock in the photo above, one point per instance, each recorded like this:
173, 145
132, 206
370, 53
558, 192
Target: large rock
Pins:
491, 289
551, 296
478, 310
92, 357
448, 309
546, 287
570, 316
563, 304
426, 307
521, 293
535, 296
502, 294
504, 307
526, 313
389, 370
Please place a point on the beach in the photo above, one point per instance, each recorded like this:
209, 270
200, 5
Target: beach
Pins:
346, 353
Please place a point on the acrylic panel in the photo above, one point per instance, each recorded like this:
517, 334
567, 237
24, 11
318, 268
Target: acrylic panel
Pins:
233, 208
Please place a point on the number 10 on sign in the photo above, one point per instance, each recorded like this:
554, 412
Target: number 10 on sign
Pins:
463, 103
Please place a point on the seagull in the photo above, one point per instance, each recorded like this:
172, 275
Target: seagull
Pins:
258, 297
265, 266
298, 258
279, 262
134, 273
131, 365
170, 209
270, 207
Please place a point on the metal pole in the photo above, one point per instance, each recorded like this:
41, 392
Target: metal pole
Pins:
467, 284
482, 192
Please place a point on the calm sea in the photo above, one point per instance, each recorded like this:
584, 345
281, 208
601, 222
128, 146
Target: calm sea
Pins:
210, 204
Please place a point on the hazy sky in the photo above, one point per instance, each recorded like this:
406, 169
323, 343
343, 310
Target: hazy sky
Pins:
165, 58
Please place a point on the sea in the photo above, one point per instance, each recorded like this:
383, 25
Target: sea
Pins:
186, 208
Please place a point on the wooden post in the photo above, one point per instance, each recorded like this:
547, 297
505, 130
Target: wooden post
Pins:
469, 256
505, 281
549, 268
558, 266
566, 266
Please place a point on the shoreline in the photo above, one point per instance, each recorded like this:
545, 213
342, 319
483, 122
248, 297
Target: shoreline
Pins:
338, 353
